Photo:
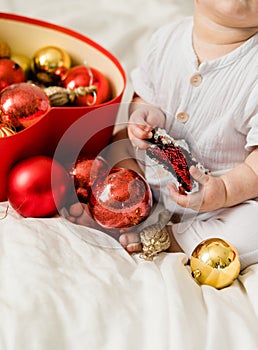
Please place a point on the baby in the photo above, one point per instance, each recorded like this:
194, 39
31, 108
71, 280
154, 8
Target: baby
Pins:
198, 79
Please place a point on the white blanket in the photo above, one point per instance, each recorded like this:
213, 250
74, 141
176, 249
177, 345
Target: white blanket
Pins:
66, 287
70, 288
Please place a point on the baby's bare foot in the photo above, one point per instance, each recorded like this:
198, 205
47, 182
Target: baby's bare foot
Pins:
131, 242
79, 214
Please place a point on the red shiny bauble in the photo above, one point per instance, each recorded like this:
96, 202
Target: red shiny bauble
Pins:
38, 186
85, 173
120, 200
86, 76
21, 105
10, 73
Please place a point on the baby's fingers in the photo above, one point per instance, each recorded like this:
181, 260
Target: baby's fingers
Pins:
176, 196
138, 134
199, 175
191, 200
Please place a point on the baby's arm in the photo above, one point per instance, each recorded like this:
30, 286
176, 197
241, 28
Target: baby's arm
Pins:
143, 118
234, 187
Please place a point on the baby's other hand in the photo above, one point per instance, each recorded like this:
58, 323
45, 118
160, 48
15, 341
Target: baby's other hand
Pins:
211, 194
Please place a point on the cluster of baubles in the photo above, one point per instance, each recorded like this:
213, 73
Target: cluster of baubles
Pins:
30, 86
118, 198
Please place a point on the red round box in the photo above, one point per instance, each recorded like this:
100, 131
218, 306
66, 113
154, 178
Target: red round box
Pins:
94, 125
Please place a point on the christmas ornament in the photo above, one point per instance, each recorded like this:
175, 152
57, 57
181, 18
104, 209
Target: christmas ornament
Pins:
49, 64
23, 61
5, 131
85, 173
10, 73
215, 262
21, 105
85, 76
175, 157
155, 237
59, 96
120, 200
38, 186
5, 50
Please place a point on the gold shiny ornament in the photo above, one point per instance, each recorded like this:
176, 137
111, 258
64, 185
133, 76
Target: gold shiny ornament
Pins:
23, 61
215, 262
5, 50
50, 63
155, 238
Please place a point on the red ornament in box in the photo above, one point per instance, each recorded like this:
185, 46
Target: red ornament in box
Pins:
10, 73
21, 105
38, 186
122, 199
84, 76
85, 173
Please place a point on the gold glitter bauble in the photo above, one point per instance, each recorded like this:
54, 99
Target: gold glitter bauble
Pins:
215, 262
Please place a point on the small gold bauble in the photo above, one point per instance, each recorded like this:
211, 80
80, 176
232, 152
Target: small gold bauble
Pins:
47, 61
5, 50
215, 262
23, 61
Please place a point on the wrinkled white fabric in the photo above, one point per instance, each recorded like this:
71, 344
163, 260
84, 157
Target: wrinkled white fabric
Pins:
67, 287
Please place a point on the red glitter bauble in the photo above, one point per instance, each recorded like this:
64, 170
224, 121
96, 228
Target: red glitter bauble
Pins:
21, 105
85, 173
10, 73
121, 200
86, 76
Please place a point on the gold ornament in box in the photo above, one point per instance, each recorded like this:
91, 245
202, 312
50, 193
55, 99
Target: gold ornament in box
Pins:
48, 62
215, 262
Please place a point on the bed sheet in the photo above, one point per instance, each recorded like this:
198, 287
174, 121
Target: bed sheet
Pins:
68, 287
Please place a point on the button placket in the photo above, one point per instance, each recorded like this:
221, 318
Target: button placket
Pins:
195, 80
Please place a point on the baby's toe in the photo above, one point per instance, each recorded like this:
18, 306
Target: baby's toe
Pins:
131, 242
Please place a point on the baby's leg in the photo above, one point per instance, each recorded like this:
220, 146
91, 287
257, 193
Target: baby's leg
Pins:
79, 214
236, 225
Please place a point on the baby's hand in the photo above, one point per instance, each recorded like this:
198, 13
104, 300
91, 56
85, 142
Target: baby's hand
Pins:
142, 121
211, 196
